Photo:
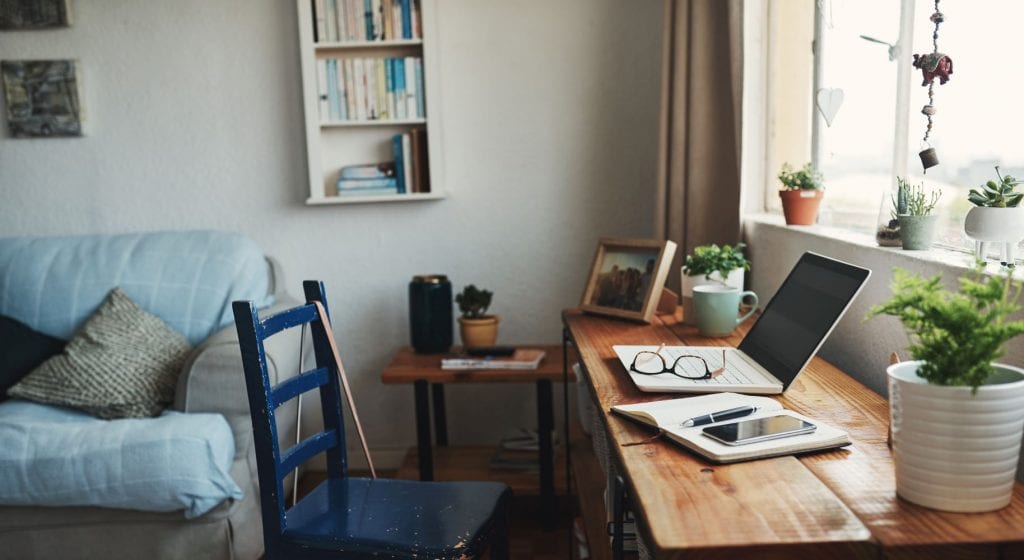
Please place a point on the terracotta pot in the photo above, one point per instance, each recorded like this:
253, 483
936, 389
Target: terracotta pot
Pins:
482, 331
801, 206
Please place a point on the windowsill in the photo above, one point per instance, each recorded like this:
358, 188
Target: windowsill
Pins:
936, 256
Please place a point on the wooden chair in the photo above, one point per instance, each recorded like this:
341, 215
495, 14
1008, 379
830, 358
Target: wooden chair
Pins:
348, 517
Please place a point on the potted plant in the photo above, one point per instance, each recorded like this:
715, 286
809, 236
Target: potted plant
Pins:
802, 191
957, 414
711, 264
475, 326
997, 217
914, 215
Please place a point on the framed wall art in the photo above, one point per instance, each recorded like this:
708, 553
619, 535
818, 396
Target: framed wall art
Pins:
627, 277
42, 98
33, 14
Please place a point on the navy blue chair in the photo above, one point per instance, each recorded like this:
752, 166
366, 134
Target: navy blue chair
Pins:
348, 517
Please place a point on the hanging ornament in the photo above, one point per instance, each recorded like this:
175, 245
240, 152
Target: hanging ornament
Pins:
932, 65
828, 102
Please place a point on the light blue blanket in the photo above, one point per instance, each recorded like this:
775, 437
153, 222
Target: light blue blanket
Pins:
52, 456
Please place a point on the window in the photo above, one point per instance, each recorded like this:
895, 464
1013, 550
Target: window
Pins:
876, 134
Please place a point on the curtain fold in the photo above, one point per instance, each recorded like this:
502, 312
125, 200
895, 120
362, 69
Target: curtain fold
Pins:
698, 190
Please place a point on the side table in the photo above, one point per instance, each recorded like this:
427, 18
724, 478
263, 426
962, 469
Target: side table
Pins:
428, 379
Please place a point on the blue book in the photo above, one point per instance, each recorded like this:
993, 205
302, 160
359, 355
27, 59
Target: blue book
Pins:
389, 72
368, 171
368, 17
398, 65
334, 107
369, 192
396, 145
406, 20
421, 108
363, 184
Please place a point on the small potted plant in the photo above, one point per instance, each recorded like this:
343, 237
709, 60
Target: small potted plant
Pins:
996, 218
914, 207
475, 326
957, 414
711, 264
802, 191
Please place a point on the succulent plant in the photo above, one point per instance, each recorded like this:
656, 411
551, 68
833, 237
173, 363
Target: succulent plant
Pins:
913, 200
805, 178
997, 195
473, 302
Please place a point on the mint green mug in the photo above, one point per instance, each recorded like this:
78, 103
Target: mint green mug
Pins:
717, 305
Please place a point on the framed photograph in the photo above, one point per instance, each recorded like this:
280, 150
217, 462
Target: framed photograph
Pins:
627, 277
42, 98
33, 14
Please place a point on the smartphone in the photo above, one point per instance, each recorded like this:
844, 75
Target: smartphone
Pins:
759, 429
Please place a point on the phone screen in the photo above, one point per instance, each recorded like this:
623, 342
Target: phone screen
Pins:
760, 429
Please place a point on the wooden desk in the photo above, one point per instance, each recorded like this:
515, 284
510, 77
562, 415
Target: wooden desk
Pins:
424, 370
836, 504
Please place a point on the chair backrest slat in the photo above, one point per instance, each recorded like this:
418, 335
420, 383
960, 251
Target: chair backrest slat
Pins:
264, 400
288, 390
306, 450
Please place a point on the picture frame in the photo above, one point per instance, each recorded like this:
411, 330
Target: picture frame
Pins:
627, 277
41, 97
30, 15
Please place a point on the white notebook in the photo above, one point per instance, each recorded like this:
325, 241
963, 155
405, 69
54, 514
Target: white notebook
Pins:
669, 415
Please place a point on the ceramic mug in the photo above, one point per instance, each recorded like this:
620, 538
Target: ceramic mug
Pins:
717, 306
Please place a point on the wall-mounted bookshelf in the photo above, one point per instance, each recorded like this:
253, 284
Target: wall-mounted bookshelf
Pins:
369, 90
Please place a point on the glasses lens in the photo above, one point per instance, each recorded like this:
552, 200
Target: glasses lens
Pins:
648, 362
692, 367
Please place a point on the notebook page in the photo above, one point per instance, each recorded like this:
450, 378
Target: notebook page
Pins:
669, 414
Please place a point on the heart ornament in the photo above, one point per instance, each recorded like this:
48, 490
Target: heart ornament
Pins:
828, 101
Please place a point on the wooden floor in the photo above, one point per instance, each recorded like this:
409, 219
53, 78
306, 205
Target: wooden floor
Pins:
528, 541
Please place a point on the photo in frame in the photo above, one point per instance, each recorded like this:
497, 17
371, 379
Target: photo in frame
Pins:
42, 98
33, 14
627, 277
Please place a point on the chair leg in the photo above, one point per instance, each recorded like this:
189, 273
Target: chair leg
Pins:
499, 541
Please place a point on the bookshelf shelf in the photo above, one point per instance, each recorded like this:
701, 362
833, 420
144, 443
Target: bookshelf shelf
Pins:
381, 122
322, 46
353, 92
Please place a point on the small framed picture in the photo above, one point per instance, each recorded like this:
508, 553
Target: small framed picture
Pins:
627, 277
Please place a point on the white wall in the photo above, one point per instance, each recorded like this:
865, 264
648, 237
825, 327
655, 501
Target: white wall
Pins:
194, 120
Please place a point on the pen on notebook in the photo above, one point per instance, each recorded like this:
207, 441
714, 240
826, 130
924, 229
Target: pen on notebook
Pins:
719, 416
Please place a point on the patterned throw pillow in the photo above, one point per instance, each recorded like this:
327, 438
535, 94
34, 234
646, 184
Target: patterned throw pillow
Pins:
122, 363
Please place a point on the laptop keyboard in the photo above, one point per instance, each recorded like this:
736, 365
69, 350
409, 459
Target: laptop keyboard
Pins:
737, 370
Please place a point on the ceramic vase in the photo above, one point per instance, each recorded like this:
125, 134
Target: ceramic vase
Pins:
1003, 226
733, 280
955, 450
917, 232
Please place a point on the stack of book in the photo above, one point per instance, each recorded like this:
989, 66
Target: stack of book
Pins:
370, 89
366, 20
408, 173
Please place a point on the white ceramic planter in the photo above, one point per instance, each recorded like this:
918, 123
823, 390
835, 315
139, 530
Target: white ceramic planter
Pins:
734, 280
1004, 226
954, 450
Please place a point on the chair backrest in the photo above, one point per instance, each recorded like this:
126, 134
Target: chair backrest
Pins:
273, 464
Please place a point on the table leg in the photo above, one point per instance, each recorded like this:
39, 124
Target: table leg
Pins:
545, 424
440, 419
423, 446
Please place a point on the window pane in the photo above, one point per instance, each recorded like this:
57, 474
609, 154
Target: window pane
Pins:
979, 121
857, 149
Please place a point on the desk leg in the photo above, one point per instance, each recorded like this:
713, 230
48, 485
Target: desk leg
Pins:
440, 420
568, 447
426, 458
545, 424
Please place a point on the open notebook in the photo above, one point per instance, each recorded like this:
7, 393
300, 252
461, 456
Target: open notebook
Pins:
669, 416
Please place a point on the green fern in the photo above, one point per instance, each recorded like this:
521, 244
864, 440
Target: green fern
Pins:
958, 334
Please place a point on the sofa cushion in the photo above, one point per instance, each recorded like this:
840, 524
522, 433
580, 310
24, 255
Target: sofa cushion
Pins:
21, 350
124, 362
187, 278
53, 456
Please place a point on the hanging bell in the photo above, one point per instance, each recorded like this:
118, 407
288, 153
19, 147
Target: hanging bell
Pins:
928, 158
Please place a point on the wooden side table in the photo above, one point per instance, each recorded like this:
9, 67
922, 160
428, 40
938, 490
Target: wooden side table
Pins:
428, 379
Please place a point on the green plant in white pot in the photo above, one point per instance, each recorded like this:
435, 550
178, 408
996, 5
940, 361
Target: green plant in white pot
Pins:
711, 264
914, 206
957, 415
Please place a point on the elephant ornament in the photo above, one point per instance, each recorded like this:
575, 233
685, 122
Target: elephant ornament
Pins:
934, 65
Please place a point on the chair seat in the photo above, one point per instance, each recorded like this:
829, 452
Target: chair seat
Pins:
400, 518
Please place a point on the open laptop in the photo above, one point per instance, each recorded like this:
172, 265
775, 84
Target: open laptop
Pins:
792, 328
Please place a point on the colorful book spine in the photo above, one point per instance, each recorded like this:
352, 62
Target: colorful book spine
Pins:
421, 94
406, 20
378, 21
368, 171
331, 22
339, 84
372, 110
382, 88
400, 104
323, 101
376, 191
417, 26
396, 19
410, 87
389, 72
407, 159
385, 16
320, 17
351, 19
350, 87
360, 79
396, 146
356, 184
332, 92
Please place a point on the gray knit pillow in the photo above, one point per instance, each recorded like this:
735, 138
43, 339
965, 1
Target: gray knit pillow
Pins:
122, 363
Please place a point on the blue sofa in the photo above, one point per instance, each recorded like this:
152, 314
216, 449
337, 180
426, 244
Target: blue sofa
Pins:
188, 279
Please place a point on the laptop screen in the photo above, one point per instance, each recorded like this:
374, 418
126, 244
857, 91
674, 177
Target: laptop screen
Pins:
801, 315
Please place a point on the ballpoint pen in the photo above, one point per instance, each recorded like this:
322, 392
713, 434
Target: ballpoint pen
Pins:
719, 416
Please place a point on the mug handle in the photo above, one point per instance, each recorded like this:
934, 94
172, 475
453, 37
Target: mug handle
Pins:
753, 309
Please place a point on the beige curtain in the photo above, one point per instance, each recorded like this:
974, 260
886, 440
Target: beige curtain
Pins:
698, 194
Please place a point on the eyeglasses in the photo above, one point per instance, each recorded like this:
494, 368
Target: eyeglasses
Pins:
687, 366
